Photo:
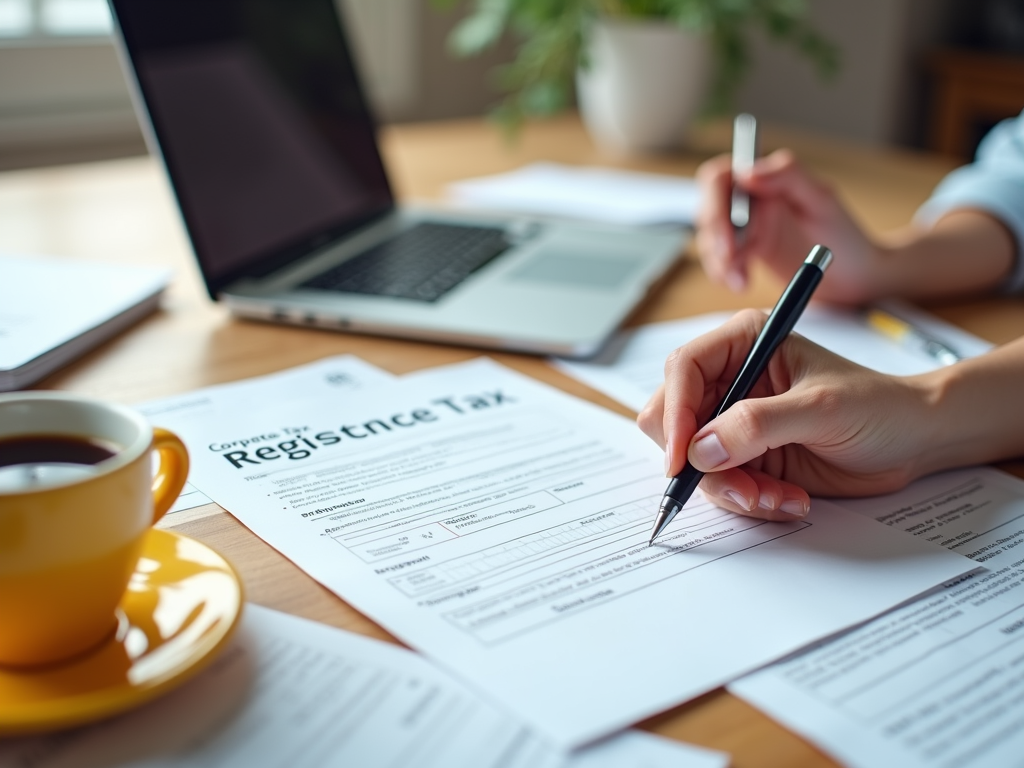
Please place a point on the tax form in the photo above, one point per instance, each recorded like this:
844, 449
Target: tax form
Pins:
631, 367
339, 375
291, 692
500, 526
938, 683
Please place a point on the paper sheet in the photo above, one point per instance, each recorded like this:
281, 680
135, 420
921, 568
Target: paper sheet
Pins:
340, 375
46, 302
501, 526
53, 310
938, 683
601, 194
632, 366
290, 692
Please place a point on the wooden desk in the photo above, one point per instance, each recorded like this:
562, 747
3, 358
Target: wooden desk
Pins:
123, 211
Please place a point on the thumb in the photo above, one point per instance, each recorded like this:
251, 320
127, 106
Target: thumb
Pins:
752, 427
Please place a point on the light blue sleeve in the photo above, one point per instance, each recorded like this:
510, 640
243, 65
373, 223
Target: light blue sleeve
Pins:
993, 183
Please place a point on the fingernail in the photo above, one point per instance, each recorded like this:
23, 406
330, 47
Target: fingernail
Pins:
668, 459
738, 500
709, 452
735, 282
766, 502
794, 508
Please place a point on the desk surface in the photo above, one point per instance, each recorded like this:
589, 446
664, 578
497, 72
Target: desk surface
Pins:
123, 211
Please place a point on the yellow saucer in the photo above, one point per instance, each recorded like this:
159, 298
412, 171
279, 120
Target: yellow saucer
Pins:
181, 606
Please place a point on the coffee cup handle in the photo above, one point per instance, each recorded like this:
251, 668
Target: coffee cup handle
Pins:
171, 472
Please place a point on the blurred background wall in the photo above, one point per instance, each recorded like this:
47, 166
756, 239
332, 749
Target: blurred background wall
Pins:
63, 97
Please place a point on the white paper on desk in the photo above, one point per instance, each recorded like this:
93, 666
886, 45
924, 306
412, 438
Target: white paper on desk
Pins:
53, 310
940, 682
603, 194
501, 526
339, 375
632, 366
291, 692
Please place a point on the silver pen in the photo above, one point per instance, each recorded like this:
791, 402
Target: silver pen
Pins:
744, 152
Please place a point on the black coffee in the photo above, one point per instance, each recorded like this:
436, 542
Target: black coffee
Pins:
33, 462
52, 449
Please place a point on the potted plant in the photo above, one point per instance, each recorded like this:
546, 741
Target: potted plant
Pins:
641, 67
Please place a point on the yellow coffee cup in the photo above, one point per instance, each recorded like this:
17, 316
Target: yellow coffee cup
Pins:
78, 494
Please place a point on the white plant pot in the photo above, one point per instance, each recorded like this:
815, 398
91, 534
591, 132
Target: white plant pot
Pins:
643, 84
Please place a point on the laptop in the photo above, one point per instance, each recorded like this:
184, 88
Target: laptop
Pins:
256, 110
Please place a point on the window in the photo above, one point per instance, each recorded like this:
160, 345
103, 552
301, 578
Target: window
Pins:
63, 95
22, 20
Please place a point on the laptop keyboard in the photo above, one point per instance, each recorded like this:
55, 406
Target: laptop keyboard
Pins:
421, 263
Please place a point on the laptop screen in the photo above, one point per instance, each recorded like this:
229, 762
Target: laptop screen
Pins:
262, 124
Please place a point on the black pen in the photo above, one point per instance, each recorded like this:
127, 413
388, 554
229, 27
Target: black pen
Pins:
780, 322
744, 153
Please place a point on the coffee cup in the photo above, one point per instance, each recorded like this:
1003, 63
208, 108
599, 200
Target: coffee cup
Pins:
78, 494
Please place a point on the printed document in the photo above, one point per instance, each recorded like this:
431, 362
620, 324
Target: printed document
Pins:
610, 195
631, 367
501, 526
339, 375
291, 692
938, 683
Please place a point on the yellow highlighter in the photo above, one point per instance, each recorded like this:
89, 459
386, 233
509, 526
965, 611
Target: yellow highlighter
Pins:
900, 330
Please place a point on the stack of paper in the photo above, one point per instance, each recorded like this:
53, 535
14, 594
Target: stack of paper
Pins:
289, 692
52, 311
500, 526
938, 683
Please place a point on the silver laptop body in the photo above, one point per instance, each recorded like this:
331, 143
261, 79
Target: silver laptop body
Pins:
256, 110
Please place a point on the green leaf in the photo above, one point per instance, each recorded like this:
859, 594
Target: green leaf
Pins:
482, 29
545, 97
475, 34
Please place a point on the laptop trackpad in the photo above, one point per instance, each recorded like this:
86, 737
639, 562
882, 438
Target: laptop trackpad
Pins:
584, 271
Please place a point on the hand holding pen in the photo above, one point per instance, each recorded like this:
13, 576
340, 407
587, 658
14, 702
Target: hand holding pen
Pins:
787, 210
810, 422
780, 322
816, 424
813, 424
